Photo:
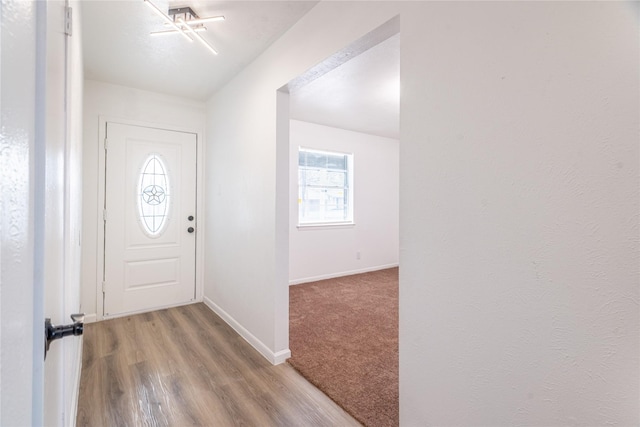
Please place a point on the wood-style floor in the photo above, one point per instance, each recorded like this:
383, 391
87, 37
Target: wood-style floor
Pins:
184, 366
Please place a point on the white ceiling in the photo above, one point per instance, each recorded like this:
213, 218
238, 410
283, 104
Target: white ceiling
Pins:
361, 95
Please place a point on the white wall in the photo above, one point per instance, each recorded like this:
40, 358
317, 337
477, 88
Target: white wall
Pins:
518, 205
119, 102
317, 253
519, 214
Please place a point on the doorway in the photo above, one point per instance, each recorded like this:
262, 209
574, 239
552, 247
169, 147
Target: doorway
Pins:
149, 219
358, 116
352, 111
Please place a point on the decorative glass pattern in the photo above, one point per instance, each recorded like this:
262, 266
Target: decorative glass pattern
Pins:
153, 195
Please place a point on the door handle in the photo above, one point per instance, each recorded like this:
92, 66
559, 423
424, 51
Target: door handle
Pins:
191, 229
52, 332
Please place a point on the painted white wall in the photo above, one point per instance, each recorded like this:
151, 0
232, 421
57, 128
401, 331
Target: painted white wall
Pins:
317, 253
519, 214
119, 102
518, 205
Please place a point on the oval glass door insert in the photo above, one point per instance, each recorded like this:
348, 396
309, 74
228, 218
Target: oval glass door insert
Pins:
153, 196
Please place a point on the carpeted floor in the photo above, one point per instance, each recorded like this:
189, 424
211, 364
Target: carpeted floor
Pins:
344, 339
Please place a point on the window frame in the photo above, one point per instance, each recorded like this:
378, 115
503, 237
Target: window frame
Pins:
350, 221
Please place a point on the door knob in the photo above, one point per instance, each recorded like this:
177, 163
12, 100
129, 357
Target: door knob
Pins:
190, 229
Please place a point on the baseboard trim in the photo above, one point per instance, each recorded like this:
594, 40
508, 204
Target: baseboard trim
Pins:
90, 318
341, 274
275, 358
281, 356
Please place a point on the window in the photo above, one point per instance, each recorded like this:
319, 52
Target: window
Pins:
325, 190
153, 196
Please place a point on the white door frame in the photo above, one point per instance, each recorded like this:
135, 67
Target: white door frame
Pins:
102, 129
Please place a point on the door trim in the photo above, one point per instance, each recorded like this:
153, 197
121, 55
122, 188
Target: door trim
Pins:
102, 130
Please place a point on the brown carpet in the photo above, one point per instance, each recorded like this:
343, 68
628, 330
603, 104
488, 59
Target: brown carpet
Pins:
344, 339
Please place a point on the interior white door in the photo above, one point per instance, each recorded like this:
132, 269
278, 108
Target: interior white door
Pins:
150, 224
57, 193
21, 295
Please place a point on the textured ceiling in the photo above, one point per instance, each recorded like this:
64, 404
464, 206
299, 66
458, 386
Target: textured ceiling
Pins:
361, 95
117, 47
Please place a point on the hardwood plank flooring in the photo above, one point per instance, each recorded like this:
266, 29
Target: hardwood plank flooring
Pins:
185, 366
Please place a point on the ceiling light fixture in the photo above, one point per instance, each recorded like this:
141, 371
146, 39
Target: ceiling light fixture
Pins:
167, 32
167, 19
198, 36
185, 21
203, 20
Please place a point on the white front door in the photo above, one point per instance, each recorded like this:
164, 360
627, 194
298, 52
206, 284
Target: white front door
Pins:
150, 224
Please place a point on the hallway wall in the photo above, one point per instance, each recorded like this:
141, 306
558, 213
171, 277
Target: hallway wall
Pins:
519, 197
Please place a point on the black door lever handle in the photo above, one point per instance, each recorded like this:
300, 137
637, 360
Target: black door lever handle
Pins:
52, 332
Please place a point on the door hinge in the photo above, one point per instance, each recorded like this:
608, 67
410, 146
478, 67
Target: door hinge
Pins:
68, 21
104, 214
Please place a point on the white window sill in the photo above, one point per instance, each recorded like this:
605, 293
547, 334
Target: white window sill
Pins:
326, 226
